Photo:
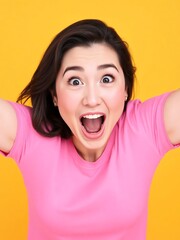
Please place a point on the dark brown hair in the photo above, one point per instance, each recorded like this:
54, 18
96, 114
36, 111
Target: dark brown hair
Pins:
45, 116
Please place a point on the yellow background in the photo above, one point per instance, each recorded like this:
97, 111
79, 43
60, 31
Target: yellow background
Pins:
152, 29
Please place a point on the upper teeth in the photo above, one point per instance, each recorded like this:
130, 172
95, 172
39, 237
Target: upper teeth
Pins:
93, 116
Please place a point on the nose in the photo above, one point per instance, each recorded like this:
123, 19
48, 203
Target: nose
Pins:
91, 96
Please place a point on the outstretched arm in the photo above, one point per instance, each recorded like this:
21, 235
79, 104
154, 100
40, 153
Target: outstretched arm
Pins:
172, 117
8, 126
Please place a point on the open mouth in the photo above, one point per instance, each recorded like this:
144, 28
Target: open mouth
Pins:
92, 122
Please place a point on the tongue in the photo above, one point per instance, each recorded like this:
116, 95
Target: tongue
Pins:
92, 125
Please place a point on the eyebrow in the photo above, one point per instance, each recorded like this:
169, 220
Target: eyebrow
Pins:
79, 68
108, 65
73, 68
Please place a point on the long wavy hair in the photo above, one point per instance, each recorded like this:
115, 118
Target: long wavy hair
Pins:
46, 118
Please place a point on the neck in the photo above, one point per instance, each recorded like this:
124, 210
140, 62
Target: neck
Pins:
90, 155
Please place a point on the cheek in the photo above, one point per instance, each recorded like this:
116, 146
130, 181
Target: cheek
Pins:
66, 104
116, 99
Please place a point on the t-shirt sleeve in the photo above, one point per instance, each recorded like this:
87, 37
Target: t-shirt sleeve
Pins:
148, 119
24, 124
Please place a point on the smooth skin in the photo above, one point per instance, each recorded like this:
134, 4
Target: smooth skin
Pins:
90, 81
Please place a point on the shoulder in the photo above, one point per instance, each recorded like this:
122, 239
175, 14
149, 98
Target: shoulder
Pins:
21, 109
12, 115
23, 114
145, 120
144, 109
156, 101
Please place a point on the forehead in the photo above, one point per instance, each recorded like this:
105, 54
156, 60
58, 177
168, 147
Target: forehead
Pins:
95, 53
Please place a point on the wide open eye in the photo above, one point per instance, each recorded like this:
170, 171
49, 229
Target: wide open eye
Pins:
107, 79
75, 81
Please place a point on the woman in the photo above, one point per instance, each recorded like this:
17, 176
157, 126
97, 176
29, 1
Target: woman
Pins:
87, 152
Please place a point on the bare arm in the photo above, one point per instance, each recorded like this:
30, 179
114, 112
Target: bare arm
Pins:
8, 126
172, 117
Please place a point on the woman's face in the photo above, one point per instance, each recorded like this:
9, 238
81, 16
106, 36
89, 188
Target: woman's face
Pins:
90, 95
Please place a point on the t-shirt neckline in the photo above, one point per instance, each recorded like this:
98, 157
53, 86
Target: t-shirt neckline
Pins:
104, 156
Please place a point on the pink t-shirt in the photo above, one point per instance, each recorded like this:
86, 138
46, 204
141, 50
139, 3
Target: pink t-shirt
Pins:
72, 199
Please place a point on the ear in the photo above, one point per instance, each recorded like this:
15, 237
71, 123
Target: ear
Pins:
54, 98
55, 101
126, 94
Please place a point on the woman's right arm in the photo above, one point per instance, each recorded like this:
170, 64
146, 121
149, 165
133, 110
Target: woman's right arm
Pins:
8, 126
